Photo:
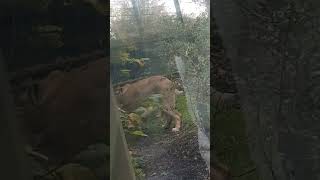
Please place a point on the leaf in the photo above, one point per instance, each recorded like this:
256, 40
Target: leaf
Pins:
140, 110
156, 98
135, 118
138, 133
125, 72
123, 56
47, 28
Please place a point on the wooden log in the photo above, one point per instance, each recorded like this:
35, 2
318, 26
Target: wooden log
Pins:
42, 70
169, 76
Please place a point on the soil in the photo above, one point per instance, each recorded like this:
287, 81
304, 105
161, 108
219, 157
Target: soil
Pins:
171, 156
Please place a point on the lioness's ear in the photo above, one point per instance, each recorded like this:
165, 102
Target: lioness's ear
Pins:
124, 89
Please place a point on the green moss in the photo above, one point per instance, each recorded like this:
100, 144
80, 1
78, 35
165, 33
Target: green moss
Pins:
231, 143
182, 107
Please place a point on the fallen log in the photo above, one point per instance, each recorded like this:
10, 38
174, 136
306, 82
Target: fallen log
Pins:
42, 70
169, 76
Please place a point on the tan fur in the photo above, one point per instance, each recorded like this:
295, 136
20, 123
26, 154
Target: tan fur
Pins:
73, 109
220, 172
130, 95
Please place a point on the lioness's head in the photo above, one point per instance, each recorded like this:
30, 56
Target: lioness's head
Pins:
120, 93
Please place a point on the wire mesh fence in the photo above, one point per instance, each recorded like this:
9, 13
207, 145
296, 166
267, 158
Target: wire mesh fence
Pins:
196, 82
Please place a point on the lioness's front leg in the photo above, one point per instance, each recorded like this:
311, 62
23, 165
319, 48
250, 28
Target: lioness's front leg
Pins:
167, 118
178, 122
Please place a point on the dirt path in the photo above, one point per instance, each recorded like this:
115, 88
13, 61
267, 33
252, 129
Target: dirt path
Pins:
171, 157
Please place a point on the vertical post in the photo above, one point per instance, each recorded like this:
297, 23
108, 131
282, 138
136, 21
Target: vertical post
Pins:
120, 161
137, 15
178, 10
14, 164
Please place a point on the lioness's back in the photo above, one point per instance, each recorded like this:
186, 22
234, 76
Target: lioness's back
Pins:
151, 85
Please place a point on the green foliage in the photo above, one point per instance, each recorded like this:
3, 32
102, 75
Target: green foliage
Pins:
46, 41
163, 36
131, 122
138, 133
123, 56
231, 143
152, 101
182, 107
125, 72
33, 5
45, 38
189, 40
46, 28
137, 164
152, 124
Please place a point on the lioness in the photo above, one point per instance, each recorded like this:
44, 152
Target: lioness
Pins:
70, 110
130, 95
